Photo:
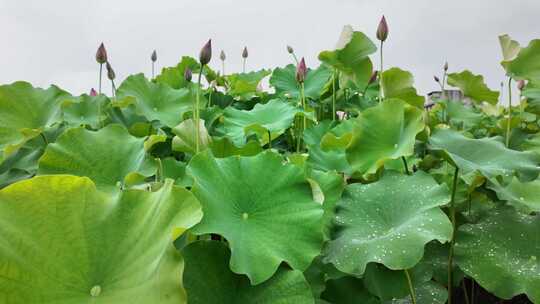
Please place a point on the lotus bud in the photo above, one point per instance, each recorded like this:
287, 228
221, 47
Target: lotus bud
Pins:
93, 92
445, 67
245, 53
206, 53
373, 77
290, 49
301, 71
437, 80
101, 54
521, 85
222, 55
188, 75
154, 56
110, 72
382, 30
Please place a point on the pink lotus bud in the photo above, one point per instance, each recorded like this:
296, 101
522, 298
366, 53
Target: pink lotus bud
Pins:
373, 77
245, 53
188, 75
301, 71
521, 85
445, 67
93, 92
110, 72
341, 115
101, 54
290, 49
206, 53
437, 80
154, 56
222, 55
382, 30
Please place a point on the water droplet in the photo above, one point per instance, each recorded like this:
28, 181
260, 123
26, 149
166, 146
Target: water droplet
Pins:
95, 291
245, 216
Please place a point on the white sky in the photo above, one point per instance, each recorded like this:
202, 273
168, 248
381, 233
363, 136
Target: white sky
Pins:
55, 41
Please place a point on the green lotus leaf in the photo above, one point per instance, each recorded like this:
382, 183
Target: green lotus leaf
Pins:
85, 110
184, 141
487, 156
244, 86
388, 222
274, 117
174, 76
208, 279
501, 253
384, 132
264, 209
348, 290
91, 247
25, 111
524, 196
397, 83
351, 58
284, 81
321, 159
461, 115
156, 101
427, 293
223, 147
106, 156
532, 144
473, 86
510, 48
527, 63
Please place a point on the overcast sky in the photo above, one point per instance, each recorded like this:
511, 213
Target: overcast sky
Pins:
54, 41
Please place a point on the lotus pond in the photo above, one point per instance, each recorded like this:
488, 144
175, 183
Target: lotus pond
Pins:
336, 182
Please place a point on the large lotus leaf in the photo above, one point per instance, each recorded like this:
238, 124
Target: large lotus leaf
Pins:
244, 86
107, 156
174, 76
388, 222
427, 293
156, 101
85, 110
527, 63
522, 195
351, 57
185, 132
64, 242
397, 83
510, 48
473, 86
319, 158
502, 252
487, 156
208, 279
223, 147
274, 117
532, 144
461, 115
348, 290
384, 132
24, 113
284, 81
264, 209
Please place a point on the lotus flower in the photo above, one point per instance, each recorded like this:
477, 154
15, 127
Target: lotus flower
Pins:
290, 49
245, 53
110, 72
382, 30
101, 54
437, 80
301, 71
206, 53
445, 67
373, 77
93, 92
188, 74
154, 56
222, 55
521, 85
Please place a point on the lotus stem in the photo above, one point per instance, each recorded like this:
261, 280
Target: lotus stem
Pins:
334, 95
452, 241
509, 122
269, 140
197, 126
100, 74
153, 67
381, 95
295, 58
465, 295
411, 287
405, 165
159, 172
44, 138
244, 66
303, 99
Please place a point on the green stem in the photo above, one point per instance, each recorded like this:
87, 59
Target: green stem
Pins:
444, 96
44, 138
244, 66
334, 95
411, 287
509, 111
269, 140
223, 67
153, 63
197, 125
405, 165
100, 73
303, 99
381, 95
465, 292
210, 97
159, 172
453, 219
295, 59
